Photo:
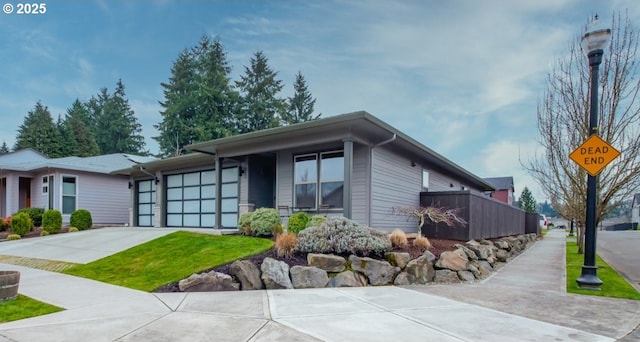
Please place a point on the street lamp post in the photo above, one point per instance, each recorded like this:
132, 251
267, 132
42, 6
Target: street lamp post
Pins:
594, 41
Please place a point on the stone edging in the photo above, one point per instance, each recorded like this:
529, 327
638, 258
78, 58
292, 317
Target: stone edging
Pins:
469, 262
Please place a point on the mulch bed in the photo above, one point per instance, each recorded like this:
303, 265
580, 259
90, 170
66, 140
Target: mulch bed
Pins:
300, 259
35, 232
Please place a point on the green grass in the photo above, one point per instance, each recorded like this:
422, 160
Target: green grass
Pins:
169, 258
24, 307
613, 284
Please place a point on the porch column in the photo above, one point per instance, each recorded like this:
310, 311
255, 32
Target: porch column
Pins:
218, 193
348, 174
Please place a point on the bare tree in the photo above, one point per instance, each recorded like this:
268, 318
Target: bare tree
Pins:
563, 124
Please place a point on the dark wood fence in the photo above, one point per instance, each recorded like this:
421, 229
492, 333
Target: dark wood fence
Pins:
486, 217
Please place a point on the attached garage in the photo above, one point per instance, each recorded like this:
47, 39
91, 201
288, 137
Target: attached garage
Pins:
146, 200
191, 199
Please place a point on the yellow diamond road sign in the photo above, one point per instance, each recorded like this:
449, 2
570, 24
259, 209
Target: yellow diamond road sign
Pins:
594, 154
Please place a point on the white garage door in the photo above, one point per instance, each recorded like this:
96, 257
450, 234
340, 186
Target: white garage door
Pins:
146, 199
191, 198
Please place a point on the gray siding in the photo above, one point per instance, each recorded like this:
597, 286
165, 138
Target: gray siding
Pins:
106, 197
361, 184
284, 178
440, 182
394, 183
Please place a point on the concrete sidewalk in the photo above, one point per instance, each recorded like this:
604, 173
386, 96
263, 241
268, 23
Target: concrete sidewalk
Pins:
525, 301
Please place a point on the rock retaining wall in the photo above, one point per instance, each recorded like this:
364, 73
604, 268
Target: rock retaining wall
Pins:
469, 262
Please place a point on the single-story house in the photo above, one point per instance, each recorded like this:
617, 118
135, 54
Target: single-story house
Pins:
30, 179
635, 210
354, 165
505, 190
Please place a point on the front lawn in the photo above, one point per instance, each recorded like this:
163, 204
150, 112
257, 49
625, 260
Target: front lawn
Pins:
168, 259
24, 307
613, 284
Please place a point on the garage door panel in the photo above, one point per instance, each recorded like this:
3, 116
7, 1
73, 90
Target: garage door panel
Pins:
145, 200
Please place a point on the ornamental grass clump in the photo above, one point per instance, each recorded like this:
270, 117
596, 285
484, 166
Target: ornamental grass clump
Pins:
13, 237
398, 239
286, 245
422, 243
340, 235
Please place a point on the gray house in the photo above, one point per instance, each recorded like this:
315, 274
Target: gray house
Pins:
353, 165
30, 179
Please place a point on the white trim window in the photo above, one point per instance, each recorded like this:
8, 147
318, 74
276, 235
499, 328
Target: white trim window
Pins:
69, 194
327, 175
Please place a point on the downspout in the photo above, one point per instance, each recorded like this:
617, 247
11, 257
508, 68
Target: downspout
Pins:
384, 142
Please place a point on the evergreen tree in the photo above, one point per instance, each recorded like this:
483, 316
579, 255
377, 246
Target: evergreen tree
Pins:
260, 106
39, 132
66, 146
526, 201
76, 132
199, 101
4, 149
117, 129
301, 104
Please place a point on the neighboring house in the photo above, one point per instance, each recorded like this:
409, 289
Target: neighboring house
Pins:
30, 179
353, 165
505, 190
635, 209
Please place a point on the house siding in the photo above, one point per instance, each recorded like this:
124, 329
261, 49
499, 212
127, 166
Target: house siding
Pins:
440, 182
360, 184
394, 183
105, 196
284, 178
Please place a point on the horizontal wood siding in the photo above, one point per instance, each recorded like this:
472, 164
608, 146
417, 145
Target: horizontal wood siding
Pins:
360, 184
284, 176
107, 197
394, 183
440, 182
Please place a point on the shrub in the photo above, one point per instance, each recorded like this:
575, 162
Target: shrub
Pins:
244, 223
44, 233
297, 222
341, 236
286, 245
52, 221
316, 220
264, 222
278, 229
13, 237
72, 230
422, 243
398, 239
81, 219
35, 214
21, 223
5, 223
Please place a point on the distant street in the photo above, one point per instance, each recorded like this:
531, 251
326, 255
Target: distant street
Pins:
620, 249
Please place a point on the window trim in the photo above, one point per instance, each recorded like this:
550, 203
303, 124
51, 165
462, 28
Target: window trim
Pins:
63, 195
318, 157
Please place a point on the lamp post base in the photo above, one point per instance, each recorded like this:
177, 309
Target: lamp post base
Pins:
588, 279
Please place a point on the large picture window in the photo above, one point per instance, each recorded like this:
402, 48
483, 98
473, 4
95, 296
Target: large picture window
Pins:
69, 189
323, 171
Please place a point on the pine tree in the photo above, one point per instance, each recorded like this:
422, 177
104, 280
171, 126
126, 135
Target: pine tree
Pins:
199, 101
301, 104
4, 149
78, 136
526, 201
118, 130
39, 133
260, 106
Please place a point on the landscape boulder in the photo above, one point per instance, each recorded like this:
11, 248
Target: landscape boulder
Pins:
398, 259
211, 281
378, 272
275, 274
453, 260
348, 279
420, 270
248, 274
308, 277
446, 277
327, 262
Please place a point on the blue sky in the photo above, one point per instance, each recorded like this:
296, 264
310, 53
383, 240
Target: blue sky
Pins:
462, 77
